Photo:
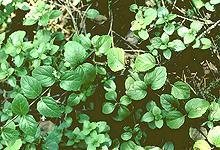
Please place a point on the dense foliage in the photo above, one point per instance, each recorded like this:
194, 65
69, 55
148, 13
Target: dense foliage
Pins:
52, 69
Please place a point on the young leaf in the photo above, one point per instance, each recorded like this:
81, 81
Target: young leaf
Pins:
20, 105
196, 107
31, 87
180, 90
116, 59
44, 74
48, 107
144, 62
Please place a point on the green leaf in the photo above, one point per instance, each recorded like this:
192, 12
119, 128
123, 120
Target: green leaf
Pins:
28, 125
72, 80
196, 26
162, 12
156, 111
147, 117
20, 105
214, 136
31, 87
156, 42
102, 43
159, 123
108, 108
196, 107
133, 7
137, 91
2, 38
123, 112
92, 13
156, 78
48, 107
209, 7
74, 99
180, 90
125, 100
126, 136
143, 34
167, 54
44, 74
189, 38
174, 119
207, 43
17, 37
130, 145
182, 31
74, 53
201, 145
168, 146
9, 135
109, 85
116, 59
198, 3
16, 146
144, 62
12, 81
168, 102
55, 14
18, 60
150, 14
177, 45
169, 28
165, 38
214, 2
111, 95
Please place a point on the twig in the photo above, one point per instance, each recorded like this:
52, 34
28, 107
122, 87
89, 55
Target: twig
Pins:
209, 29
124, 39
29, 106
72, 17
174, 4
134, 50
